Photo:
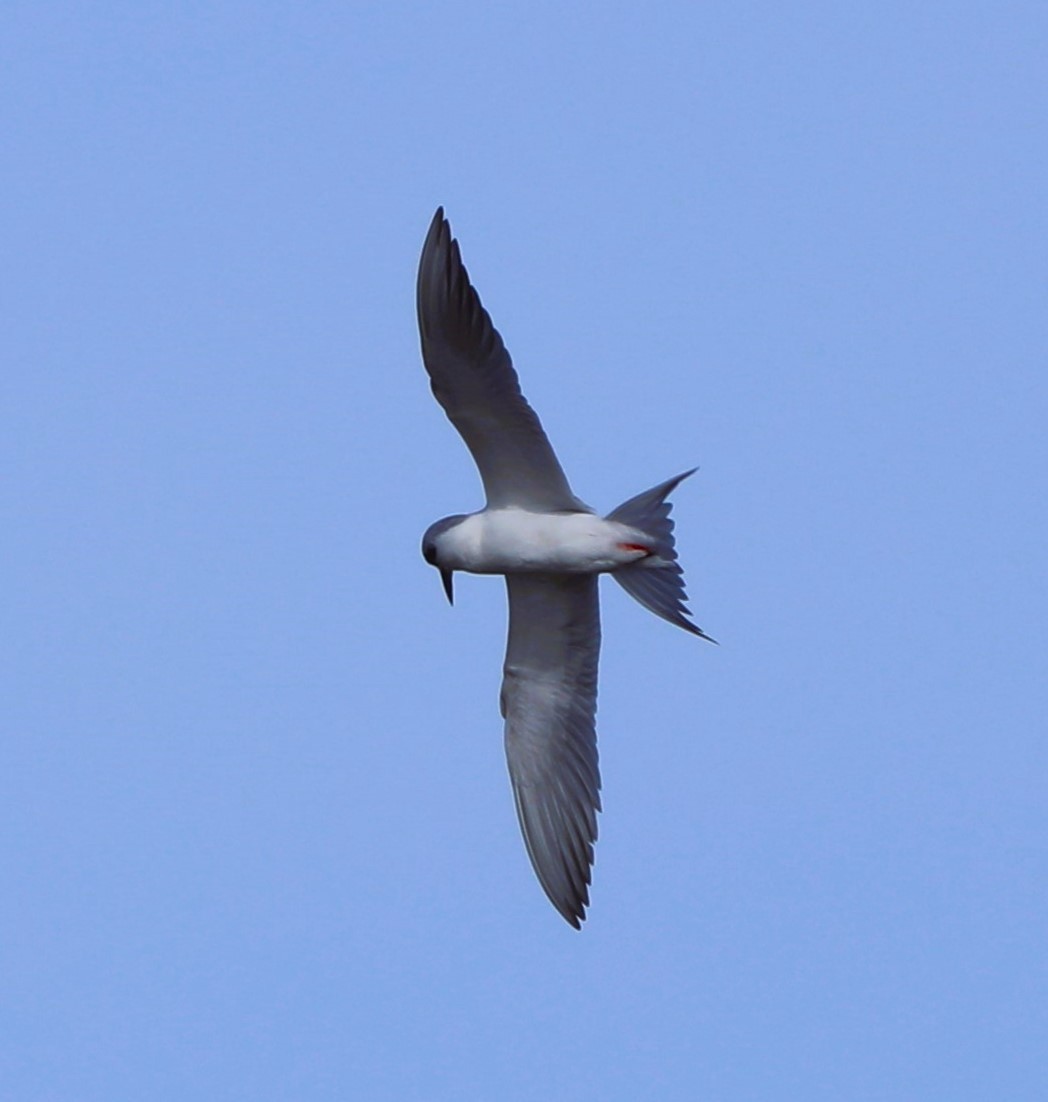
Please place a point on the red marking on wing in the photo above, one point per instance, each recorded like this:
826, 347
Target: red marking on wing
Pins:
635, 547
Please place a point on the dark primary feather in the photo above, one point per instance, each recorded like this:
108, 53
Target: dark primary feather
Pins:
472, 377
549, 700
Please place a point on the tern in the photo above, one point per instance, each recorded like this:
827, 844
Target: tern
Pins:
552, 549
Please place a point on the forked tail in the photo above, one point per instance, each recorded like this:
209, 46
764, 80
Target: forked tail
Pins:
657, 581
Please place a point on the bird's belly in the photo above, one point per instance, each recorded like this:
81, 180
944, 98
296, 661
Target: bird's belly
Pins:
513, 541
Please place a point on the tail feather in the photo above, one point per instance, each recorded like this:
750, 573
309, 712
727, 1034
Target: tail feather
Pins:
657, 582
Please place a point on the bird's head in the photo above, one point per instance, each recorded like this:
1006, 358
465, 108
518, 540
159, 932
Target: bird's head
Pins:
435, 551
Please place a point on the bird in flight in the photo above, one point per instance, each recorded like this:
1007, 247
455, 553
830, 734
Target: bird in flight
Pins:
551, 548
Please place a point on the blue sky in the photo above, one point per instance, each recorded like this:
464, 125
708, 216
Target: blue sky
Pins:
256, 837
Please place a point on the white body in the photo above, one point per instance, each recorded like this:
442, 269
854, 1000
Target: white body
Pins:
515, 541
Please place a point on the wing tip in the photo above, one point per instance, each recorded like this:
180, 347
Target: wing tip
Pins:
572, 910
439, 228
564, 877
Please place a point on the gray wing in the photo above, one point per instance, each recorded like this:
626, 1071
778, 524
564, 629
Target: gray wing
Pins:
473, 379
549, 701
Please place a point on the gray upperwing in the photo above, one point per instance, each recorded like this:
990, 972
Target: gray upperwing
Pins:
549, 701
472, 377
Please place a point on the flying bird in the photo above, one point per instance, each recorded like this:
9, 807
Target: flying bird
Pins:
551, 548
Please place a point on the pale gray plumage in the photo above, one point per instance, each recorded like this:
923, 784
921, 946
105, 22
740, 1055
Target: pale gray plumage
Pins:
660, 591
549, 701
551, 548
473, 379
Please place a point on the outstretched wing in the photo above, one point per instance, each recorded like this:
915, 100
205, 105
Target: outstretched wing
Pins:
549, 701
473, 379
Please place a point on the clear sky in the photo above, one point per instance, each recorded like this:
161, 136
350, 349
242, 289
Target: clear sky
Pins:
256, 835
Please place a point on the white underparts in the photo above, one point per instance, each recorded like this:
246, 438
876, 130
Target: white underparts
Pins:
511, 541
